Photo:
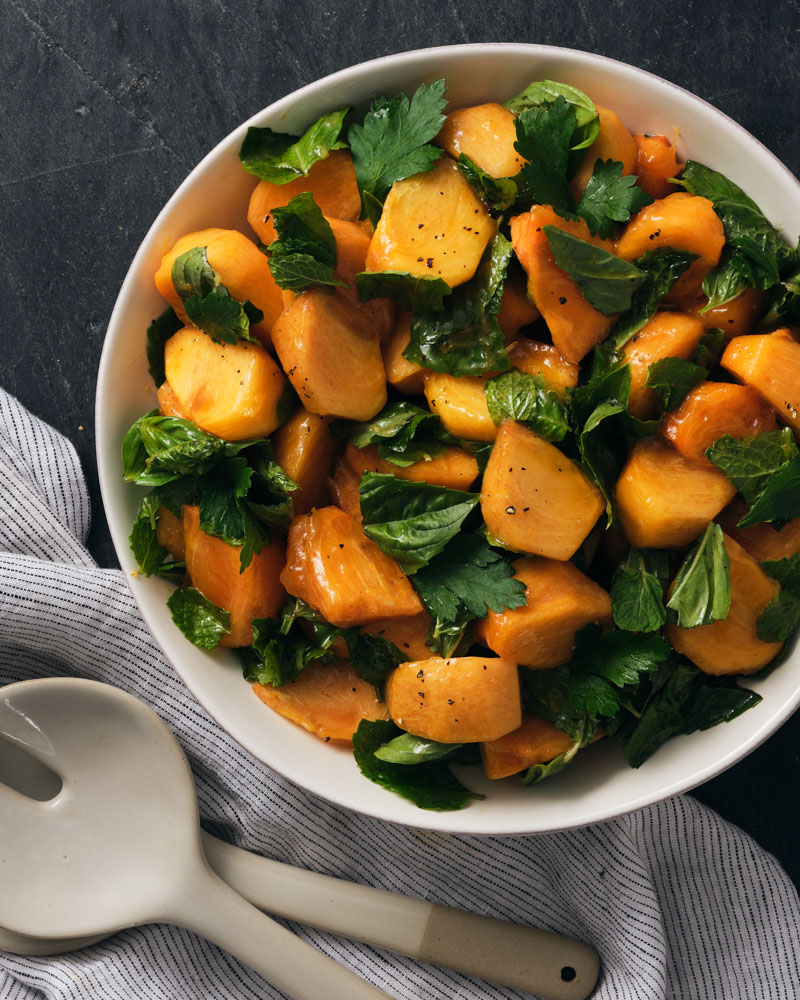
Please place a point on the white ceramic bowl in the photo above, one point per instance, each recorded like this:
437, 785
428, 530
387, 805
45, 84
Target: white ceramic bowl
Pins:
600, 785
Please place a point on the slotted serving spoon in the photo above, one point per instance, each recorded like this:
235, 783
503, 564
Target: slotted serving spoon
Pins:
116, 843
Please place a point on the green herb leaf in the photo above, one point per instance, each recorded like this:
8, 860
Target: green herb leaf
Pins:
723, 282
750, 463
158, 333
535, 95
538, 772
544, 139
466, 339
518, 396
779, 619
430, 785
409, 749
609, 198
279, 158
672, 379
279, 653
606, 281
786, 572
780, 500
393, 142
304, 253
499, 193
637, 592
409, 291
148, 552
208, 303
701, 592
404, 434
373, 657
710, 348
202, 622
412, 522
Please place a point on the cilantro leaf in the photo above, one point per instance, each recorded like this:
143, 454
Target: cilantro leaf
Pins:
411, 522
606, 281
701, 591
544, 139
541, 92
410, 749
429, 785
409, 291
751, 463
279, 158
672, 379
609, 197
304, 253
158, 333
466, 339
499, 193
637, 591
202, 622
393, 142
404, 434
518, 396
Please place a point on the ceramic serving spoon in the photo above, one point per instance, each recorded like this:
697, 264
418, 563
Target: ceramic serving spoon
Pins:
111, 840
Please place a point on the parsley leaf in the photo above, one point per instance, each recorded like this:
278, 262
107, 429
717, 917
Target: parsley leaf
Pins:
518, 396
202, 622
609, 197
544, 138
409, 291
541, 92
606, 281
752, 464
672, 379
499, 193
304, 253
208, 304
158, 333
637, 591
701, 591
404, 433
393, 142
279, 158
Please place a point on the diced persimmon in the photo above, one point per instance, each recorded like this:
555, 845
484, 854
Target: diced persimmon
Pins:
231, 390
516, 309
334, 567
734, 318
327, 699
666, 335
406, 376
534, 358
613, 142
541, 634
732, 646
486, 134
711, 410
460, 403
763, 541
352, 244
304, 450
168, 403
213, 568
537, 741
343, 485
770, 363
410, 635
534, 499
467, 699
665, 500
239, 265
656, 164
682, 221
575, 325
169, 533
332, 356
331, 181
432, 225
453, 468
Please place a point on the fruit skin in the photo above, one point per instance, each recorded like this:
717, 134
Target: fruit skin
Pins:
664, 500
334, 567
213, 567
534, 499
613, 142
732, 646
656, 164
460, 403
666, 335
466, 699
486, 134
769, 363
560, 600
453, 468
536, 741
763, 541
327, 699
305, 450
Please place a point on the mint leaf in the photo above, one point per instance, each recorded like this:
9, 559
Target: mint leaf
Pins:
192, 274
701, 591
147, 550
411, 522
672, 379
609, 198
404, 434
409, 291
606, 281
499, 193
710, 348
304, 253
542, 92
544, 139
538, 772
518, 396
279, 158
637, 592
202, 622
780, 618
158, 333
409, 749
780, 500
786, 572
466, 339
207, 301
750, 463
393, 142
279, 652
723, 282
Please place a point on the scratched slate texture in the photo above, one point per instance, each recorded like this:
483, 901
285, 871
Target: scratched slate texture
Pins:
108, 105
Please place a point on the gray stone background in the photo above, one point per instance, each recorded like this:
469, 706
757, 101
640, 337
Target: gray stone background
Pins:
106, 106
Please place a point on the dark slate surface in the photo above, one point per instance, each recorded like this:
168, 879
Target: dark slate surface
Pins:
107, 106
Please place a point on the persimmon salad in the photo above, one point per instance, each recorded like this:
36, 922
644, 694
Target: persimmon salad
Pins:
480, 447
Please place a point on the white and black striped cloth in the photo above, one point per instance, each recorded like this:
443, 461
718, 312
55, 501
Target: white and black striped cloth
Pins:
679, 903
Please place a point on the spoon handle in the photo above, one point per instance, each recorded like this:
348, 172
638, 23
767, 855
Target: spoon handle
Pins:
526, 958
209, 907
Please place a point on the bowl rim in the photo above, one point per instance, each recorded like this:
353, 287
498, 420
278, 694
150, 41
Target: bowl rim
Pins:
421, 819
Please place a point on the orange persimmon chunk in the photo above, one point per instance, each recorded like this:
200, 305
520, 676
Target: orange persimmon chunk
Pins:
466, 699
613, 142
460, 403
516, 309
665, 500
352, 243
575, 325
327, 699
486, 134
734, 318
534, 499
536, 741
763, 541
770, 363
533, 358
304, 450
732, 646
169, 533
343, 485
410, 635
656, 164
453, 468
213, 568
541, 634
334, 567
666, 335
406, 376
712, 409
